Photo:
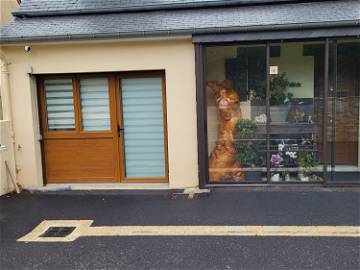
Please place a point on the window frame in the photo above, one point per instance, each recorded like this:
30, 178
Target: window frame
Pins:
202, 116
78, 132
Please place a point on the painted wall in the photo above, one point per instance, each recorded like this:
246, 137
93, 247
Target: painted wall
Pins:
6, 7
7, 155
176, 57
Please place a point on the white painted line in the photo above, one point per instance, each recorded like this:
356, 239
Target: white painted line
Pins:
84, 229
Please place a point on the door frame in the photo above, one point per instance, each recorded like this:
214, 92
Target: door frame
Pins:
120, 127
115, 106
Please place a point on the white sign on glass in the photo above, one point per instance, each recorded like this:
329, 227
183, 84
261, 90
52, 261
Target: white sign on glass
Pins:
274, 70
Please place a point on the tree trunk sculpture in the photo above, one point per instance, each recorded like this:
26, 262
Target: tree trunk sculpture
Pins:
222, 161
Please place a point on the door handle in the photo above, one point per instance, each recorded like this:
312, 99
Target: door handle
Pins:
119, 129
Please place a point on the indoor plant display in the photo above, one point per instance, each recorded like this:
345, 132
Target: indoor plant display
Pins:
280, 97
286, 158
279, 94
276, 160
245, 131
307, 162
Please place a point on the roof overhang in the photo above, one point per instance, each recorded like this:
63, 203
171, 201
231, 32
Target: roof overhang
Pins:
278, 35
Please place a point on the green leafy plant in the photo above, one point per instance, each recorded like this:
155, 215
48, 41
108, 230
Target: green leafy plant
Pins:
279, 90
279, 86
245, 131
308, 162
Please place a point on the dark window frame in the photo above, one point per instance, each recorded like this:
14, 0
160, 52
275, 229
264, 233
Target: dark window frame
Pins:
203, 172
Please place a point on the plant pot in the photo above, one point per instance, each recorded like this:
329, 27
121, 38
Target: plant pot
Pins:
303, 178
279, 113
275, 177
252, 176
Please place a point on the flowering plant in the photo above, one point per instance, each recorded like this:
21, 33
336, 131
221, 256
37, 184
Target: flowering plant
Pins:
276, 159
292, 155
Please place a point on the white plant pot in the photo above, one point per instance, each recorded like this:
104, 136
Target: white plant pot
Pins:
303, 178
275, 177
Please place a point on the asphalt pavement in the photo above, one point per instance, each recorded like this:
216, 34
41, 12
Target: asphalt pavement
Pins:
19, 214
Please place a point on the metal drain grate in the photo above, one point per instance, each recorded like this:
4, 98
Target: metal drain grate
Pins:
58, 231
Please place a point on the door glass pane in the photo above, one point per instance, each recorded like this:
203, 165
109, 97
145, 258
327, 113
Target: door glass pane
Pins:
344, 110
236, 113
296, 111
94, 100
59, 104
142, 106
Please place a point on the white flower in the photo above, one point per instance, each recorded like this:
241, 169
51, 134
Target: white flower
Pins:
291, 154
281, 147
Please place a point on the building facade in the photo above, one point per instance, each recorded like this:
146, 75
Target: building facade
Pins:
180, 95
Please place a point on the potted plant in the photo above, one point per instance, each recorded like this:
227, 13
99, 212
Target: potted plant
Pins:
280, 97
307, 162
276, 161
245, 131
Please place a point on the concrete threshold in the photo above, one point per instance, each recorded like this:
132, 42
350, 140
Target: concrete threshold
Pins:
103, 186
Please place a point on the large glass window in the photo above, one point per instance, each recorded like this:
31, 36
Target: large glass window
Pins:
343, 106
278, 132
296, 111
236, 113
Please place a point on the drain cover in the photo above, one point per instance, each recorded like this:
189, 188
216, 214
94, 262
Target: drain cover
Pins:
58, 231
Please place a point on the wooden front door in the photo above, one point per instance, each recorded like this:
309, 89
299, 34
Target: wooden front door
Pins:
92, 132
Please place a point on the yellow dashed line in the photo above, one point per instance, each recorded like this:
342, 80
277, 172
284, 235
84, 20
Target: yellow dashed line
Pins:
84, 229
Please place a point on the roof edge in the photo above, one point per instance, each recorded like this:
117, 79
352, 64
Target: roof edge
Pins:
161, 33
154, 7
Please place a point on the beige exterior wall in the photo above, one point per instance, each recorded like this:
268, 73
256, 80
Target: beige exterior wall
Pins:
6, 7
176, 57
6, 155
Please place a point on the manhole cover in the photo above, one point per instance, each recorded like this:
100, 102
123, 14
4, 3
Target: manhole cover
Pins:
58, 231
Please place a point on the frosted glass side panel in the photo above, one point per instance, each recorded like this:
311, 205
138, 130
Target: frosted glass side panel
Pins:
59, 104
143, 128
94, 99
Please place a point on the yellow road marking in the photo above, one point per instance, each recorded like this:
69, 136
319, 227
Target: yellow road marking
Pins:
84, 229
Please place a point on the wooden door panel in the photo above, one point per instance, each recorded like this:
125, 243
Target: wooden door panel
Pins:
81, 160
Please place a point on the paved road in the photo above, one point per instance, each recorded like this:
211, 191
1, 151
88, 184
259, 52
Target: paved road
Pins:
19, 214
